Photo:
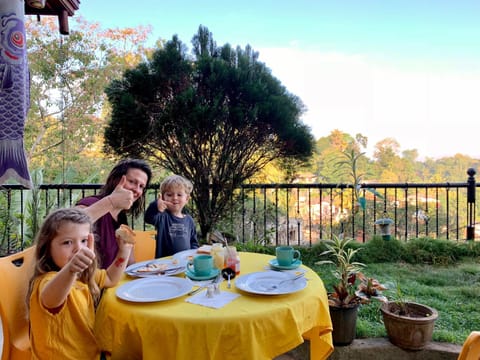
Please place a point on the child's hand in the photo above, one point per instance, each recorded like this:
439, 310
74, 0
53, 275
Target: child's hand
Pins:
162, 205
83, 257
121, 198
125, 237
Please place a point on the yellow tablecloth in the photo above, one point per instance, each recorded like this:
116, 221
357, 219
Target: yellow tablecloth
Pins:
251, 327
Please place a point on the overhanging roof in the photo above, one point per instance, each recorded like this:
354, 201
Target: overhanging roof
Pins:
60, 8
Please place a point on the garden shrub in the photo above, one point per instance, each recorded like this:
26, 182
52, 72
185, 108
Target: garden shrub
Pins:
431, 251
378, 250
470, 249
423, 250
251, 246
312, 254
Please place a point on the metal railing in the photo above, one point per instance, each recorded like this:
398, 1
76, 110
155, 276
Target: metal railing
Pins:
297, 214
302, 214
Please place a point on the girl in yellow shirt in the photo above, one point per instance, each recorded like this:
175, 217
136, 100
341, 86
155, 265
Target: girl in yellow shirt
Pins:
66, 286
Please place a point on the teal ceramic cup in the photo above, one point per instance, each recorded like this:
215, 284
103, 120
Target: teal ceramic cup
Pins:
201, 265
286, 255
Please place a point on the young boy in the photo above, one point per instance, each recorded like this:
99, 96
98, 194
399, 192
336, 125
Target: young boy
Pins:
175, 230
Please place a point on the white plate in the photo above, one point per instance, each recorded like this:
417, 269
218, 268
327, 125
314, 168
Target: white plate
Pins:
154, 289
178, 267
185, 255
260, 283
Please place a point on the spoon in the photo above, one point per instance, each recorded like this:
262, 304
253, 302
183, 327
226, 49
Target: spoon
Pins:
228, 274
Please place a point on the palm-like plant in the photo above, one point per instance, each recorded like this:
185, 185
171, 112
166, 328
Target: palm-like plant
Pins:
350, 167
346, 272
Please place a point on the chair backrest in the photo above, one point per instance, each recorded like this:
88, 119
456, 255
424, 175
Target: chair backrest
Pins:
471, 347
15, 273
144, 248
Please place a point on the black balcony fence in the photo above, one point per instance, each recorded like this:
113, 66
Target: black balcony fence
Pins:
295, 214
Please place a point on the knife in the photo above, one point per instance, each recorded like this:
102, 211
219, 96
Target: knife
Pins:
200, 288
156, 271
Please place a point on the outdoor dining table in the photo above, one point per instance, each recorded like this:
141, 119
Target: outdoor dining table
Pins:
252, 326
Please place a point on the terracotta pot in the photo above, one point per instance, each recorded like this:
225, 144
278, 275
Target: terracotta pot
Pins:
344, 322
411, 331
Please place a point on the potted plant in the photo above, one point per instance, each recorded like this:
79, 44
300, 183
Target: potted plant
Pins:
343, 302
409, 325
370, 288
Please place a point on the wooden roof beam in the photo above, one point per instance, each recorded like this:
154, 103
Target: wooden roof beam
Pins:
60, 8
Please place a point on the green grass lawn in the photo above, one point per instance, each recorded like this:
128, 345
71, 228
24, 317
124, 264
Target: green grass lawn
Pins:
453, 290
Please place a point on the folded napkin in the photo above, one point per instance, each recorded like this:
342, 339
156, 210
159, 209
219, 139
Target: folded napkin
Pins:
216, 301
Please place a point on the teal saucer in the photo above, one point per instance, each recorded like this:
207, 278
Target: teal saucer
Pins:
274, 264
193, 276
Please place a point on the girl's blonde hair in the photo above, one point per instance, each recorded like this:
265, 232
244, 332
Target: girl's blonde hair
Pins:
176, 181
43, 255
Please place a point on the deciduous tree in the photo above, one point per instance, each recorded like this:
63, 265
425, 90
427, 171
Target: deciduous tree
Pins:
68, 78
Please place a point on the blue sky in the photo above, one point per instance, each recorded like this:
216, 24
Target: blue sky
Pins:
408, 70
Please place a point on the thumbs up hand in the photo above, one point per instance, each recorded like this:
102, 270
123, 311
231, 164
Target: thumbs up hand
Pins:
162, 205
121, 198
83, 257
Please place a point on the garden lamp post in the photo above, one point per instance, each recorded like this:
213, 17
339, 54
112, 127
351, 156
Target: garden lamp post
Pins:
471, 204
384, 225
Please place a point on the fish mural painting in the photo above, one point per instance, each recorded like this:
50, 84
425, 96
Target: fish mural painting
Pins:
14, 92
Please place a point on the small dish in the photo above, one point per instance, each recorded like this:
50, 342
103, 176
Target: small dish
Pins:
170, 267
191, 275
274, 264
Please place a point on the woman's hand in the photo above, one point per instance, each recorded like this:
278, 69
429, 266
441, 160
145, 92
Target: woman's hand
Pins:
121, 198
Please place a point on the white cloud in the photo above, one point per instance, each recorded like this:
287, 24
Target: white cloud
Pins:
433, 111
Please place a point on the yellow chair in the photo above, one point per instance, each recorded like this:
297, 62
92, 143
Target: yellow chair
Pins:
144, 248
471, 347
16, 271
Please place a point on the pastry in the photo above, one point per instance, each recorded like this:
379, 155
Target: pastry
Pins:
125, 233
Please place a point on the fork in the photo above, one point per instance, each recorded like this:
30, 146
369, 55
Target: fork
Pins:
275, 286
171, 270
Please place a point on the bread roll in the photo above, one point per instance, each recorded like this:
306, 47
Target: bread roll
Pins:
125, 233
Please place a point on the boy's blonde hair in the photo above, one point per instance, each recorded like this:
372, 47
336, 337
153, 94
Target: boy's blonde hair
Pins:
176, 181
